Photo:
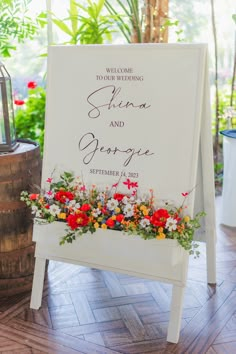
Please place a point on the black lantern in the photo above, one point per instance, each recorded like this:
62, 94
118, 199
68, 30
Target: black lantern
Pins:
8, 140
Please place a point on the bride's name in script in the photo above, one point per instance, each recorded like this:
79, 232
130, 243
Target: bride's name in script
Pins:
91, 146
110, 97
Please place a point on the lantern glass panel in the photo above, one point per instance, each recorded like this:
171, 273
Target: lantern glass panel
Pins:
10, 111
2, 125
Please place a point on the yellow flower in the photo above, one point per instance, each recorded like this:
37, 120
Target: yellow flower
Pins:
96, 225
145, 212
160, 229
99, 205
143, 207
117, 210
161, 236
113, 217
104, 226
186, 218
62, 216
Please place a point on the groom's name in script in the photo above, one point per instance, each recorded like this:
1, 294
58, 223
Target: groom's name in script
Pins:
110, 96
90, 145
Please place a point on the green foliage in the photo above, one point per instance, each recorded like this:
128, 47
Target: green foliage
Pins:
225, 121
15, 25
95, 26
29, 119
86, 24
131, 14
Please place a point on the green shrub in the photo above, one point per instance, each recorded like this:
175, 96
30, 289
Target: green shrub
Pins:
30, 115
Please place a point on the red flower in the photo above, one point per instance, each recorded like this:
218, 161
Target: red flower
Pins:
32, 84
33, 196
110, 223
128, 183
185, 194
19, 102
119, 217
159, 217
77, 220
118, 196
63, 196
85, 207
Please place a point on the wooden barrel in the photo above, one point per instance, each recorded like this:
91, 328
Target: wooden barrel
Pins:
19, 170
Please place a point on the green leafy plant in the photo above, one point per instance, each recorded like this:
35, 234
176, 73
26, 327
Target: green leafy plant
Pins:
95, 27
15, 25
86, 24
30, 115
131, 12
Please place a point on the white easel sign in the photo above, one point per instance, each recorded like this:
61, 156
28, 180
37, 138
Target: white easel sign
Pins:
131, 113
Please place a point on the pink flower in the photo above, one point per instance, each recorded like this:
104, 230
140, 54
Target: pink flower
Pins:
32, 84
49, 180
19, 102
185, 194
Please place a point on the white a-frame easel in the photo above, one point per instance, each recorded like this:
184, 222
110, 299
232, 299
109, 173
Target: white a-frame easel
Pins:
151, 98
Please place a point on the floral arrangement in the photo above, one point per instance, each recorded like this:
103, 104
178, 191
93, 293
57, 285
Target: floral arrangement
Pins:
86, 209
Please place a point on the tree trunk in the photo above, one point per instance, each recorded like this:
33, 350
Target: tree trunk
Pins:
155, 16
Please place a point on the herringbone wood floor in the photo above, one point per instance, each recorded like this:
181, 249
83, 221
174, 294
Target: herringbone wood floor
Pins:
91, 311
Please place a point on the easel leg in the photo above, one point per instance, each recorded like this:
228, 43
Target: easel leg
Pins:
175, 314
211, 260
38, 281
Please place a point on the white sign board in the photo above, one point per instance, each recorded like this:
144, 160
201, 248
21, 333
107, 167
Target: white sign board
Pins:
131, 112
126, 110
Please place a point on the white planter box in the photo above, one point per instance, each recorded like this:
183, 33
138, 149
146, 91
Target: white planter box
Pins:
108, 249
163, 260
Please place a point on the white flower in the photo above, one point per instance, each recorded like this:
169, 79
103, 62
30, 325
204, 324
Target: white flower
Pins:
171, 224
131, 199
38, 214
82, 194
49, 195
112, 204
54, 209
96, 212
129, 210
74, 205
125, 200
144, 223
34, 209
